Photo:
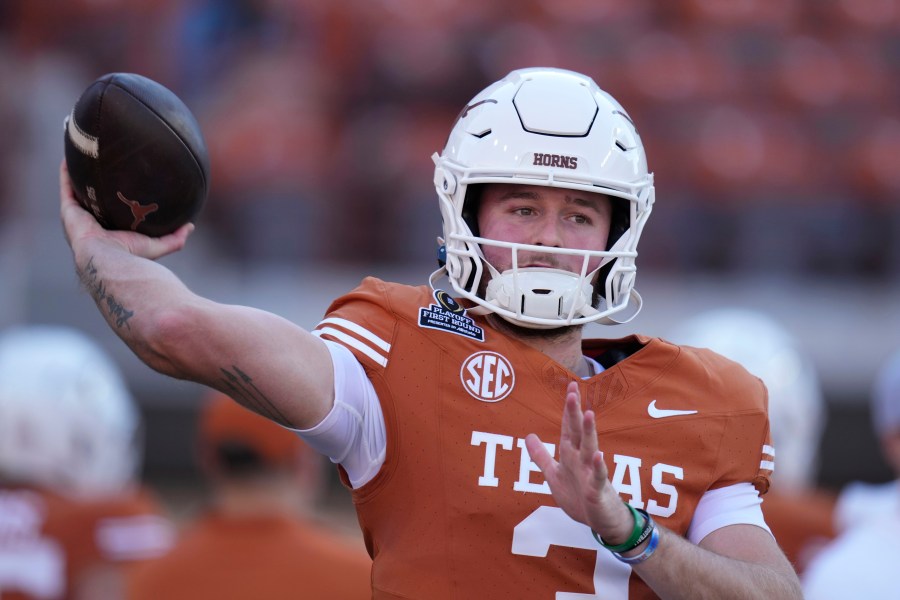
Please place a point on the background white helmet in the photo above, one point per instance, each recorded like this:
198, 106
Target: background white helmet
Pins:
67, 419
796, 403
885, 400
885, 408
556, 128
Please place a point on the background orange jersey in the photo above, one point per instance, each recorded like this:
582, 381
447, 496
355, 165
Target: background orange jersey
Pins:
276, 558
458, 510
53, 547
802, 522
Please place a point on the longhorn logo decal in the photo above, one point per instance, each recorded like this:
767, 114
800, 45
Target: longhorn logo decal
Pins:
138, 210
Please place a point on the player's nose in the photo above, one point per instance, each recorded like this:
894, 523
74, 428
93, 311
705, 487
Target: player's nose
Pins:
547, 232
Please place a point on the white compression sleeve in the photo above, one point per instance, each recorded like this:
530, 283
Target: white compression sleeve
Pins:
731, 505
352, 434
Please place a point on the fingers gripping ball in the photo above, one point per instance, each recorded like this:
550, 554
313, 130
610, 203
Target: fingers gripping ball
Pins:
136, 155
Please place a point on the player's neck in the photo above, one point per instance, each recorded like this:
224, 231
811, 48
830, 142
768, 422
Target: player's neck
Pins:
562, 345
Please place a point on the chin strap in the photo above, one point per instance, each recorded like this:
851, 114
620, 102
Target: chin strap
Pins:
436, 276
635, 302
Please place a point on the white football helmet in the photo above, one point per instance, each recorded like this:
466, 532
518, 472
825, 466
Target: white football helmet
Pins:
547, 127
67, 419
769, 351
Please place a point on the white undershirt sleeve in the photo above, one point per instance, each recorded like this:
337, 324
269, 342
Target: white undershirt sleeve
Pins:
352, 434
738, 504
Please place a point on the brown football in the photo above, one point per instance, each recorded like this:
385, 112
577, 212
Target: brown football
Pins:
136, 155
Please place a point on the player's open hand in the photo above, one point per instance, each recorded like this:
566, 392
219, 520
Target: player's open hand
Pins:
580, 481
80, 225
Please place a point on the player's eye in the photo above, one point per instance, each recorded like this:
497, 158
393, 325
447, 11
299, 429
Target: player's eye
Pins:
581, 219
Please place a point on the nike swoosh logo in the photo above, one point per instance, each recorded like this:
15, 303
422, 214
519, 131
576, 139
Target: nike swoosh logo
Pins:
661, 413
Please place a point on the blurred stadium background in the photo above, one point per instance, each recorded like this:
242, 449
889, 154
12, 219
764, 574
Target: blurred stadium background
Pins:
773, 127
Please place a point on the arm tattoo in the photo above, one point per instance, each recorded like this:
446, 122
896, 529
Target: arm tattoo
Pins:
97, 289
244, 392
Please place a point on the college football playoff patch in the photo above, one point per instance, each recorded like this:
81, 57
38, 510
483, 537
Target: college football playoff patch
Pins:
448, 315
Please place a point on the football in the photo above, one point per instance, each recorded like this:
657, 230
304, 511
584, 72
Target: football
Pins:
136, 156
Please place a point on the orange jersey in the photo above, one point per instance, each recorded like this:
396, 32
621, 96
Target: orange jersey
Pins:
53, 547
268, 557
458, 509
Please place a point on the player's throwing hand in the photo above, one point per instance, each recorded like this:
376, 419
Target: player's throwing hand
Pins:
80, 224
580, 480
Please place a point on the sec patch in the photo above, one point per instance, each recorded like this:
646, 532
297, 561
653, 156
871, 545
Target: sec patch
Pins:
487, 376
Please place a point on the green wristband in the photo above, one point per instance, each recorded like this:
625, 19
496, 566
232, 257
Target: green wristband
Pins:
632, 540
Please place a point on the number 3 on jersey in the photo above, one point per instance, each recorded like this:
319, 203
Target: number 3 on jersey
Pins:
550, 526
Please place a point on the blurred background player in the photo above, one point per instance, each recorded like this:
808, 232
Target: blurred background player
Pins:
800, 515
862, 562
72, 516
258, 538
860, 501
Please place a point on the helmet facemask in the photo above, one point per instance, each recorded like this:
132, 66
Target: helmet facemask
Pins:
539, 297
